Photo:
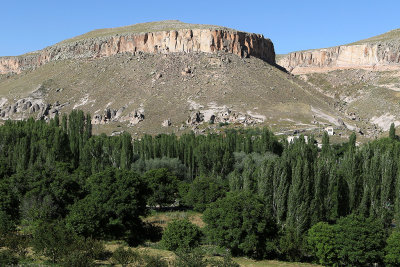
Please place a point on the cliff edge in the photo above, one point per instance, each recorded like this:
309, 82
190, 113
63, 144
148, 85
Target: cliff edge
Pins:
381, 53
156, 37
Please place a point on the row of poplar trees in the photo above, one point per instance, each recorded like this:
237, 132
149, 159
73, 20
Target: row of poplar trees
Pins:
300, 184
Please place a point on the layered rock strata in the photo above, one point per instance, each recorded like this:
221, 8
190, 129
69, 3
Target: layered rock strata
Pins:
174, 41
383, 55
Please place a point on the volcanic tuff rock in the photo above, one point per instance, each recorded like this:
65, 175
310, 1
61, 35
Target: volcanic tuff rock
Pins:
140, 77
373, 53
191, 39
362, 77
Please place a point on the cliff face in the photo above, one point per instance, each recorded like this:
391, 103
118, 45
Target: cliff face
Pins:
373, 55
195, 40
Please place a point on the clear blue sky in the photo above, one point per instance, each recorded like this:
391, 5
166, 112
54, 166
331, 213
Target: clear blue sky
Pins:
292, 25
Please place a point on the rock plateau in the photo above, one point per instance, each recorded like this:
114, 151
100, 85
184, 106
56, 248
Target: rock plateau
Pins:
192, 39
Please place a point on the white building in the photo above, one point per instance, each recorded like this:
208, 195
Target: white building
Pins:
330, 130
291, 138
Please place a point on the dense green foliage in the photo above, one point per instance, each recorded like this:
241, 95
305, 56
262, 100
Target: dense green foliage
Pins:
239, 222
322, 242
163, 186
392, 256
181, 235
7, 258
54, 241
115, 200
353, 241
261, 197
203, 191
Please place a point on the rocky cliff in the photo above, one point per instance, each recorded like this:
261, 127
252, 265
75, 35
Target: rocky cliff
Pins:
380, 55
168, 41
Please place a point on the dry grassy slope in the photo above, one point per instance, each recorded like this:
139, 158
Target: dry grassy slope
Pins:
387, 36
374, 96
224, 79
370, 96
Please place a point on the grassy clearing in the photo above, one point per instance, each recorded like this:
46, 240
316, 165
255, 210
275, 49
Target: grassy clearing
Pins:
170, 257
162, 219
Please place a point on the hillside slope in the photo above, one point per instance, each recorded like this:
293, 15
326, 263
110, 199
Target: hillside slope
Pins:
231, 82
362, 77
381, 52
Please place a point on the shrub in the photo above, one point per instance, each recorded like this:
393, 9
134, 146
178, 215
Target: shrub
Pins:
181, 235
193, 258
7, 258
78, 259
7, 226
52, 240
392, 256
92, 248
124, 256
147, 260
18, 243
197, 258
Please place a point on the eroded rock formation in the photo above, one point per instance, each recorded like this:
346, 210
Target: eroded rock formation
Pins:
196, 40
370, 55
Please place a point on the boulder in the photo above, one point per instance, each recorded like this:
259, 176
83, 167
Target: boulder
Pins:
166, 123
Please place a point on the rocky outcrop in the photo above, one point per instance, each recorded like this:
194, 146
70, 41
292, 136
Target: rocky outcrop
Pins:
369, 55
224, 115
166, 123
110, 115
27, 107
174, 41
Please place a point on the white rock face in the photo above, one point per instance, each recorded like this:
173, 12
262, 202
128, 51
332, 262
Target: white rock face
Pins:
377, 55
174, 41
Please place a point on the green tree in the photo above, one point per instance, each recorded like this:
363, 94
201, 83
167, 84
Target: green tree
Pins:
52, 240
203, 191
321, 239
181, 235
360, 241
300, 197
291, 245
163, 185
392, 250
116, 200
126, 151
325, 143
392, 132
239, 222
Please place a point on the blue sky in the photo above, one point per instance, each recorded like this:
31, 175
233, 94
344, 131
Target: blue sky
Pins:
292, 25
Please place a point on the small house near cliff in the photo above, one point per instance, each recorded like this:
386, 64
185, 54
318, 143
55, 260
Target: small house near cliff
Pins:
330, 130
